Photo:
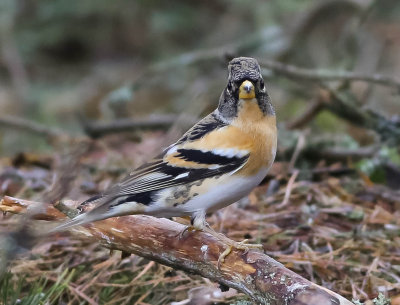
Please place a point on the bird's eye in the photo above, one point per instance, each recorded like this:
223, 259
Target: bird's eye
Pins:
262, 84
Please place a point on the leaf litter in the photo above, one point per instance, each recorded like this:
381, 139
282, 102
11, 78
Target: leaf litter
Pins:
342, 232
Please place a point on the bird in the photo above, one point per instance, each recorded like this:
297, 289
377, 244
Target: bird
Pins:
215, 163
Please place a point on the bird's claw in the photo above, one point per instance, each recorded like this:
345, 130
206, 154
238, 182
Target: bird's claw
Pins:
224, 254
183, 232
242, 245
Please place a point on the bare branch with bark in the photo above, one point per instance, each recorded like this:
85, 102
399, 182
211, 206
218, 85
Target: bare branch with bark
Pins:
254, 273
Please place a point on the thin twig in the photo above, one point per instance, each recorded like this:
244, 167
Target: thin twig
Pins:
301, 142
229, 51
289, 188
328, 75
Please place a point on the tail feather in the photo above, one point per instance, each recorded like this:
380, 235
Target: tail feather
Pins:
78, 220
98, 212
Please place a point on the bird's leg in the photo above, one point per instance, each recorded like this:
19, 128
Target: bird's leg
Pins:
184, 221
199, 223
189, 228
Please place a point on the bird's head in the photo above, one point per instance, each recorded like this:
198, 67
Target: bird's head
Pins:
245, 85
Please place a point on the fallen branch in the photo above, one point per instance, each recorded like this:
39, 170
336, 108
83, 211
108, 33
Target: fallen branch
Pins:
254, 273
340, 153
345, 107
348, 109
98, 129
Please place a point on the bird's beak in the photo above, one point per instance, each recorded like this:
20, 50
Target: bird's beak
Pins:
246, 90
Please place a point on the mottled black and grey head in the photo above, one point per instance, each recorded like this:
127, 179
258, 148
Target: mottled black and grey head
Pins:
245, 82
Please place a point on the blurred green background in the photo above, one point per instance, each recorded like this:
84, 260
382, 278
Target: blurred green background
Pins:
62, 60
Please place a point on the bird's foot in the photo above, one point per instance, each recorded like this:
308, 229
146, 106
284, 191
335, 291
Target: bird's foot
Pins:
231, 244
185, 230
242, 245
185, 220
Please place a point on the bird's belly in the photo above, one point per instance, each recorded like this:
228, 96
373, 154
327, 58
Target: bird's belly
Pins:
212, 194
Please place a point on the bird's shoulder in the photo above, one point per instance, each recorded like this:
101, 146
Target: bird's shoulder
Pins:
210, 123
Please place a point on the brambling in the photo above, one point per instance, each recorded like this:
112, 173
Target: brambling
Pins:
215, 163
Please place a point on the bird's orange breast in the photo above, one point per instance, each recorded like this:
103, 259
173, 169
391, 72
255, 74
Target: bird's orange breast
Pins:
252, 131
261, 131
264, 147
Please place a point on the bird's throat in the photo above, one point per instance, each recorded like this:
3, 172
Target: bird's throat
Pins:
249, 110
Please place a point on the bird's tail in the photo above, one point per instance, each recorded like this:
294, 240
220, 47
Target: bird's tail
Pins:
78, 220
99, 212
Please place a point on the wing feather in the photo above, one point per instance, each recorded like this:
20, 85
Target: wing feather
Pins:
177, 165
168, 175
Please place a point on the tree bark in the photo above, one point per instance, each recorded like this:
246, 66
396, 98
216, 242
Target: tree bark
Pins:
265, 280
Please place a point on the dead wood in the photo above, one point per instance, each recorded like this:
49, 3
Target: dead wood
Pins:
254, 273
348, 109
98, 129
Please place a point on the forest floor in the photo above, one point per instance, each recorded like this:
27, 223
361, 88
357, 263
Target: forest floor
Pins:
335, 228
